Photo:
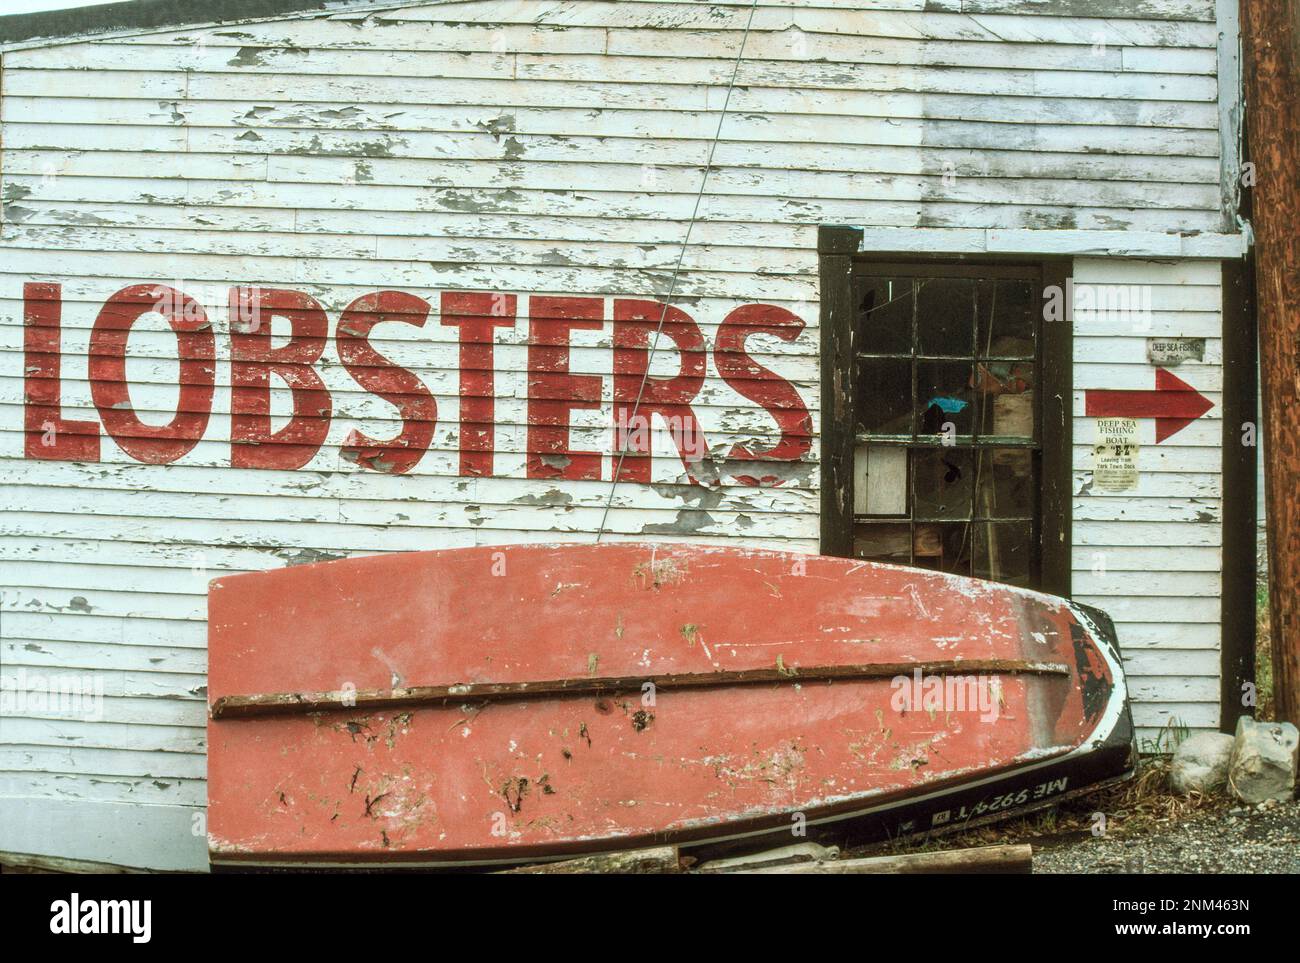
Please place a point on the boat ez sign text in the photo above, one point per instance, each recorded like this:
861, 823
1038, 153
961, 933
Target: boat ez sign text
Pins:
553, 390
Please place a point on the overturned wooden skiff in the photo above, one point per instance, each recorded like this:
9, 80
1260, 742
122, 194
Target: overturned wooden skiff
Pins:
487, 705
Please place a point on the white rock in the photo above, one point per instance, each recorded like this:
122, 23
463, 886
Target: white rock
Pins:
1264, 760
1200, 763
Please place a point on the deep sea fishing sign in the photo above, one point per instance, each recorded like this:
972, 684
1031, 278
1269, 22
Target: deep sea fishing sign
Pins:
554, 392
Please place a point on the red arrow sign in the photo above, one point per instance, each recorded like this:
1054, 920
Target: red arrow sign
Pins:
1174, 404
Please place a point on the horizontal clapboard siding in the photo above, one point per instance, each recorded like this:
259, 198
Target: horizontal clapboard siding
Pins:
544, 147
1152, 557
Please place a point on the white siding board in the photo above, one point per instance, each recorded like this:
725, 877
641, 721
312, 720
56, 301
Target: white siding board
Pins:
312, 486
1158, 662
1201, 10
1167, 584
125, 831
414, 92
349, 279
99, 61
1203, 637
208, 563
1160, 725
81, 626
282, 538
900, 21
76, 735
409, 513
144, 791
96, 150
131, 685
902, 207
134, 710
85, 760
1184, 688
1141, 558
57, 653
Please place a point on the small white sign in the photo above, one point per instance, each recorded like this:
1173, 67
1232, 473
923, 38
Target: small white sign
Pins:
1171, 352
1115, 455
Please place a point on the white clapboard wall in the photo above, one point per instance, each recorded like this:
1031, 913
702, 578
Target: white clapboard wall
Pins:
1153, 557
543, 147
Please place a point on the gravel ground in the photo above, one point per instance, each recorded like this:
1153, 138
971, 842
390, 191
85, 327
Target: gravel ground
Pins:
1218, 839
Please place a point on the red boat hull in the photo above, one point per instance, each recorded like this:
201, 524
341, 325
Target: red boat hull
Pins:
556, 774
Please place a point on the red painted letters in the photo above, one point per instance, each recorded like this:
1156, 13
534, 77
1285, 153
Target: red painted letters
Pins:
108, 385
553, 392
751, 380
477, 314
635, 323
381, 377
640, 400
252, 362
47, 433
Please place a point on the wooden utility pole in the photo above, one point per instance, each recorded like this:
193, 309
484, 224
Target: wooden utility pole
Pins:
1271, 45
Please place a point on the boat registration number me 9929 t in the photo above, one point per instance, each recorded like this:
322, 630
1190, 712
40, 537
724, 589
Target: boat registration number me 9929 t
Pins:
998, 803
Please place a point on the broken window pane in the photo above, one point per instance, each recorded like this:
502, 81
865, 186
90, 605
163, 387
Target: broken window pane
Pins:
1004, 486
884, 543
942, 483
1013, 416
944, 547
1004, 552
1006, 319
885, 316
945, 316
885, 396
1009, 400
944, 397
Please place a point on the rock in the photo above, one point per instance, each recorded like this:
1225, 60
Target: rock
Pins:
1263, 762
1201, 762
